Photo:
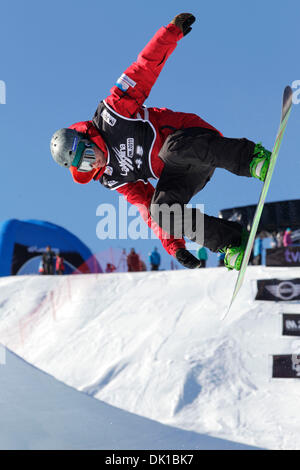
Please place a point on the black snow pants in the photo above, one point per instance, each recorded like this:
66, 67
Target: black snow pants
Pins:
190, 157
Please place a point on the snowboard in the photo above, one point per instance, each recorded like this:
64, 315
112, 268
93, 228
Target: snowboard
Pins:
285, 112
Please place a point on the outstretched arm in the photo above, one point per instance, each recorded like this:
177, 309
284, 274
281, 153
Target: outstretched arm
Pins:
134, 85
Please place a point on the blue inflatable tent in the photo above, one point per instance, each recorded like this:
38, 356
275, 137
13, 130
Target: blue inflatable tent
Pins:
21, 242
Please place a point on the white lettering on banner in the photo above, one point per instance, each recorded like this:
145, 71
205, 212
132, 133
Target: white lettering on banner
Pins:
37, 249
292, 325
285, 290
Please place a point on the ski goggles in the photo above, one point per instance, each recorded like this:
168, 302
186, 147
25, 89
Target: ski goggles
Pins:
85, 155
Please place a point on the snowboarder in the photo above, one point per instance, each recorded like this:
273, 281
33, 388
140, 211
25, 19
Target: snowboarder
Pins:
125, 144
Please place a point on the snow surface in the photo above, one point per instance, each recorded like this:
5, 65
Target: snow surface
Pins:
153, 345
39, 412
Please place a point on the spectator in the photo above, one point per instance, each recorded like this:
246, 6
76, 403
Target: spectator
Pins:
154, 259
41, 267
202, 256
279, 239
133, 261
287, 239
257, 251
221, 257
110, 268
273, 240
48, 261
59, 265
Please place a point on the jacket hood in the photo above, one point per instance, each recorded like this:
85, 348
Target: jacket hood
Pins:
87, 128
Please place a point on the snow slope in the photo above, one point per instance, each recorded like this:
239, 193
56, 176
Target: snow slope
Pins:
153, 344
38, 412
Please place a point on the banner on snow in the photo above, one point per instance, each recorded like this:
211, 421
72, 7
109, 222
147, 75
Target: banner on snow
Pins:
288, 256
286, 366
291, 324
277, 290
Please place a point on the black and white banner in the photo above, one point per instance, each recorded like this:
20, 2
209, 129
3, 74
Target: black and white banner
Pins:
291, 324
288, 256
276, 290
286, 366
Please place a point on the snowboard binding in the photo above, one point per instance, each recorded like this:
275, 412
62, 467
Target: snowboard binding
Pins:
260, 162
234, 254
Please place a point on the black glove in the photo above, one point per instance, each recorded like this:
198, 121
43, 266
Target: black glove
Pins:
184, 22
186, 258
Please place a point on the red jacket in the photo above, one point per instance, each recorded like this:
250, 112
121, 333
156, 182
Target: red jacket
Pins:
59, 264
133, 262
287, 239
129, 103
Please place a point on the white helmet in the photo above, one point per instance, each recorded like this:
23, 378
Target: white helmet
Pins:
69, 147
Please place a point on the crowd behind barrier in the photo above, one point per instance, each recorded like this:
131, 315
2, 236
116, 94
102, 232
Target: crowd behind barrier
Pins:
53, 263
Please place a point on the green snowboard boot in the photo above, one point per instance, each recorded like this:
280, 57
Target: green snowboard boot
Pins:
234, 254
260, 162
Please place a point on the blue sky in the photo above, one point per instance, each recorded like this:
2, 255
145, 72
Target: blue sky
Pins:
60, 58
